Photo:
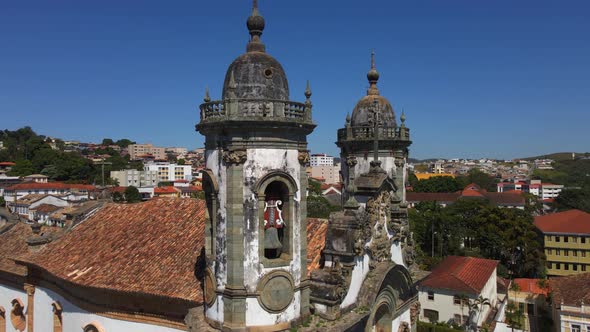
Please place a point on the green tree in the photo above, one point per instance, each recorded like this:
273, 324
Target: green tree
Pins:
123, 143
132, 195
181, 161
2, 201
438, 184
319, 207
22, 167
315, 187
573, 199
107, 141
483, 180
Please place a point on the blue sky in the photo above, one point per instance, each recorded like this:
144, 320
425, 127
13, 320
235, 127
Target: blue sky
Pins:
500, 78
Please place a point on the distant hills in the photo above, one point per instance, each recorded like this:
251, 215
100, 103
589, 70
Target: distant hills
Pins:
559, 156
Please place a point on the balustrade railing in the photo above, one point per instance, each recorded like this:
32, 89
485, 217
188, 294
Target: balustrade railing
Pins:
367, 133
255, 108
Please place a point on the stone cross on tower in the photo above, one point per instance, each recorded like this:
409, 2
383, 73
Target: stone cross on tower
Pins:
375, 164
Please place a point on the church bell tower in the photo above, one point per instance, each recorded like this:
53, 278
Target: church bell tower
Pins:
255, 184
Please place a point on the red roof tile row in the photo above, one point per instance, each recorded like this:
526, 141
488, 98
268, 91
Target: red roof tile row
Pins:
461, 274
567, 222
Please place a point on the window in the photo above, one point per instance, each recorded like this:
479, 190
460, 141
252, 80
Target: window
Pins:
575, 253
583, 268
575, 267
431, 295
457, 300
566, 239
557, 239
576, 328
57, 317
431, 315
457, 319
566, 252
583, 239
583, 253
566, 266
276, 194
17, 315
558, 266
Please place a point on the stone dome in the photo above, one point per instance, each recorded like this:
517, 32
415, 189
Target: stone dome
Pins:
255, 74
363, 112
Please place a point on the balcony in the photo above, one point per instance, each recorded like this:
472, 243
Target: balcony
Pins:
256, 110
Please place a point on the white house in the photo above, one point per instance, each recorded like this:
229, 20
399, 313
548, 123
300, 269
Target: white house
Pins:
26, 204
455, 284
570, 299
170, 172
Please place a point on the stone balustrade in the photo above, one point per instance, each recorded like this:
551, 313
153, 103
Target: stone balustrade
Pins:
367, 133
255, 109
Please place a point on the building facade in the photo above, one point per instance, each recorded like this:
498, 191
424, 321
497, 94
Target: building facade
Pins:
329, 173
138, 151
454, 286
133, 177
321, 159
566, 241
170, 172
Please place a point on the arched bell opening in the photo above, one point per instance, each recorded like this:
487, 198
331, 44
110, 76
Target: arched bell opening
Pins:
276, 216
383, 319
211, 189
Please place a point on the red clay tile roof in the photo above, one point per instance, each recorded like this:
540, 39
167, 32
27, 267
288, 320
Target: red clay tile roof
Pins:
461, 274
528, 285
46, 208
470, 191
572, 290
567, 222
316, 239
50, 185
13, 244
165, 190
148, 247
7, 163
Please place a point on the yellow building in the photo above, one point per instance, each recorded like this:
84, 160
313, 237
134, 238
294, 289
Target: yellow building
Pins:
566, 237
425, 176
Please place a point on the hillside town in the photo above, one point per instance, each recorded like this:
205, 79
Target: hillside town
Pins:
253, 231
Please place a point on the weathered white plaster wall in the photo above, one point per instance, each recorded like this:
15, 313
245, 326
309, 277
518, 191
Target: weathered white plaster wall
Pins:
257, 316
396, 254
259, 163
215, 164
443, 303
75, 318
359, 273
7, 294
364, 165
404, 317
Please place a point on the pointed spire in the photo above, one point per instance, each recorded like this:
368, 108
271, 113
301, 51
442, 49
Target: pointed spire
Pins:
307, 91
403, 118
348, 117
232, 81
207, 97
255, 26
373, 77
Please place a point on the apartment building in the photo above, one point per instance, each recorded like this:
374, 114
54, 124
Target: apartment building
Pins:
133, 177
136, 151
330, 173
566, 237
536, 187
170, 172
321, 159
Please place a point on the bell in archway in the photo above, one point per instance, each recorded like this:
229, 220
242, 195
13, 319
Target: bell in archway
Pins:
271, 239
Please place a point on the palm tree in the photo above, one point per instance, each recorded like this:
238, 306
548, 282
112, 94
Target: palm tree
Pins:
477, 306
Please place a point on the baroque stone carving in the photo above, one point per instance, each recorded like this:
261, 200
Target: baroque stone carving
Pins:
414, 312
351, 161
377, 209
235, 157
276, 291
303, 157
404, 327
209, 287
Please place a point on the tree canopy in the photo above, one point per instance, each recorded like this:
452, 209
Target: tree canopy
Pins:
477, 228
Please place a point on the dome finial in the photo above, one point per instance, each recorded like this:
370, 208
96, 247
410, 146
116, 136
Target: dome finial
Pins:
307, 91
373, 77
207, 97
255, 26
